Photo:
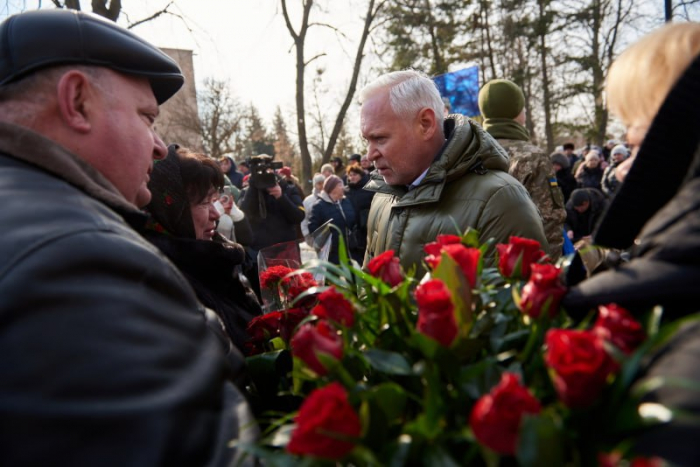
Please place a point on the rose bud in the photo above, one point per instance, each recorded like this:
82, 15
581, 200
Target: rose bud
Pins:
617, 326
311, 340
334, 306
496, 416
387, 268
580, 366
543, 292
523, 249
436, 318
326, 425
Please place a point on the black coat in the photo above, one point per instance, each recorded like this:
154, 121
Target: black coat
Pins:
361, 201
660, 224
590, 178
107, 359
566, 181
212, 268
583, 224
324, 210
278, 221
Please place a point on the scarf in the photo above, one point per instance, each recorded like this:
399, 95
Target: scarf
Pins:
506, 128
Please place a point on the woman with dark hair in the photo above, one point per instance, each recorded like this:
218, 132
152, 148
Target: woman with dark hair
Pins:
185, 187
334, 206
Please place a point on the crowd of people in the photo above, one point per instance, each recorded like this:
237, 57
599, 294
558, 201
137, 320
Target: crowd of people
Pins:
125, 294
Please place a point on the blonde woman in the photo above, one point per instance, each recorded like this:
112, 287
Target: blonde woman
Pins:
654, 88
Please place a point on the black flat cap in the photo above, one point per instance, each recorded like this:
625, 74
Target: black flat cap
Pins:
42, 38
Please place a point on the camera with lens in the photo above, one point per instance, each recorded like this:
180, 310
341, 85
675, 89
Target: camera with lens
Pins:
262, 171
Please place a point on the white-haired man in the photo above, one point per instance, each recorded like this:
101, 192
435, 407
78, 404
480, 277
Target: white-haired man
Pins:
434, 175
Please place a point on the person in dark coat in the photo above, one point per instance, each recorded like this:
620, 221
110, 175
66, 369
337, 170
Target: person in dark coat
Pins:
655, 214
583, 210
590, 173
333, 206
361, 201
610, 183
562, 170
228, 167
106, 355
183, 226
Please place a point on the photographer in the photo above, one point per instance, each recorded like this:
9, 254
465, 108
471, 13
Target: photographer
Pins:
273, 207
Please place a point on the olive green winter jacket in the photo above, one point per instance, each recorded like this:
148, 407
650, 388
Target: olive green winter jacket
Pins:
466, 186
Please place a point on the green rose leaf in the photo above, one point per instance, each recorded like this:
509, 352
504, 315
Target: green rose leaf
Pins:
388, 362
540, 442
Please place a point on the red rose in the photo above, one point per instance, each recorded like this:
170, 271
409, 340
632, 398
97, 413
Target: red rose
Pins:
617, 326
386, 267
646, 462
436, 318
334, 306
543, 292
326, 424
168, 200
496, 416
268, 326
272, 276
580, 365
296, 284
310, 340
523, 249
434, 250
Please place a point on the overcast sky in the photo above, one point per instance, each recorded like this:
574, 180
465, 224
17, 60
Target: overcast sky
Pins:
245, 42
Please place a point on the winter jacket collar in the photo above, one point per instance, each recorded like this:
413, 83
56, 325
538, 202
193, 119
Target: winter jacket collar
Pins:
468, 149
26, 145
325, 197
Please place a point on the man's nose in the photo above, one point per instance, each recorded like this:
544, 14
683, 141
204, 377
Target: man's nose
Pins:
160, 150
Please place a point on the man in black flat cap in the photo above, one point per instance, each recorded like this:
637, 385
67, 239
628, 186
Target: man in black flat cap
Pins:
106, 356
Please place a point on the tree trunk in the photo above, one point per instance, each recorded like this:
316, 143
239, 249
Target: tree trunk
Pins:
338, 126
299, 39
547, 100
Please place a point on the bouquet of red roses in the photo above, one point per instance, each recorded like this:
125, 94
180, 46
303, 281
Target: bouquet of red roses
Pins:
467, 366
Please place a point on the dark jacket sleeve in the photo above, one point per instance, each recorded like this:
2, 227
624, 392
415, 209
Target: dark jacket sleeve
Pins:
244, 234
107, 361
292, 212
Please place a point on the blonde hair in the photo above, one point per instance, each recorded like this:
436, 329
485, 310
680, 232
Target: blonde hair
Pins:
641, 78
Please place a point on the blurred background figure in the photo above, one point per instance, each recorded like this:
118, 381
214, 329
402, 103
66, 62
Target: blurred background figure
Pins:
333, 206
610, 182
310, 200
185, 187
361, 201
590, 172
583, 211
228, 167
327, 170
338, 166
562, 170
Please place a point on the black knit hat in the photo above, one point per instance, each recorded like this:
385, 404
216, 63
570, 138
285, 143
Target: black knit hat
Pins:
42, 38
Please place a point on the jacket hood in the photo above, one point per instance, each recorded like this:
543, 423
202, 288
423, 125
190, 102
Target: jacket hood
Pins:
468, 148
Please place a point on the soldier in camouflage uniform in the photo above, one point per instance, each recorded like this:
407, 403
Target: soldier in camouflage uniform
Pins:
502, 105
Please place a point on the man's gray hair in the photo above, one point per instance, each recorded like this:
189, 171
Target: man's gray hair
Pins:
409, 91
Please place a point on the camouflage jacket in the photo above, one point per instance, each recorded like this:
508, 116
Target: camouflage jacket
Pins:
532, 167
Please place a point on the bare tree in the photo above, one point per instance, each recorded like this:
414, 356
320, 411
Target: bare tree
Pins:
112, 9
299, 38
221, 120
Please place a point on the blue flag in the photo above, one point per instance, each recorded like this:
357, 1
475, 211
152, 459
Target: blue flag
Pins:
462, 89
